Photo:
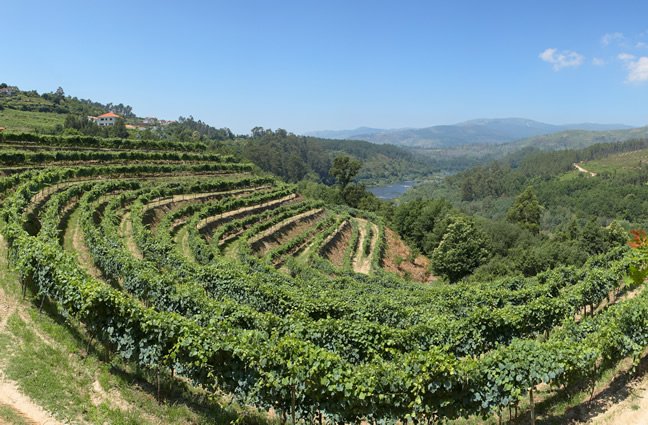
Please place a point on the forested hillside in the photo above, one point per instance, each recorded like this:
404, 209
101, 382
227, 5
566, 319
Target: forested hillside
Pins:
295, 157
534, 208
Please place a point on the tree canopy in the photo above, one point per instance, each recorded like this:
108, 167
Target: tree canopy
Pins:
461, 250
526, 211
344, 169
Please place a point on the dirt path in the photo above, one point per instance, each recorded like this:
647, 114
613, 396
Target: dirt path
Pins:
633, 410
30, 412
583, 170
361, 262
74, 234
7, 305
126, 229
10, 394
209, 221
362, 234
284, 231
158, 202
182, 239
160, 206
622, 400
7, 308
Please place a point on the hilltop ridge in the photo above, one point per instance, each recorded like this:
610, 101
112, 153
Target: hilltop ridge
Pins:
476, 131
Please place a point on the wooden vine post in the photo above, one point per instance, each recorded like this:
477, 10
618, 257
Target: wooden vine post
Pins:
532, 406
292, 403
158, 384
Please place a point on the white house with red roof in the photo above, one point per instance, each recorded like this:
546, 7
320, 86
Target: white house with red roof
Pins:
107, 119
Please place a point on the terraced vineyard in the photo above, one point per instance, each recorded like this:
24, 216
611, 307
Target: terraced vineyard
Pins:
188, 264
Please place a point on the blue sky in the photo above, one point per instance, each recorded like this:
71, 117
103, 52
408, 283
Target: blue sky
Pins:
312, 65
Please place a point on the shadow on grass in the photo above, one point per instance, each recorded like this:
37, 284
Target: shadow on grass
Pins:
616, 391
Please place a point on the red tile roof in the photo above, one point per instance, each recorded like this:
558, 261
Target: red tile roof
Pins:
109, 115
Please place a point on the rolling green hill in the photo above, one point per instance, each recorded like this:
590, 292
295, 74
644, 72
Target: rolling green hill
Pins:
576, 139
631, 161
28, 121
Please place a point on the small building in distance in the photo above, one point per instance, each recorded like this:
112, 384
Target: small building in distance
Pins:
8, 90
106, 119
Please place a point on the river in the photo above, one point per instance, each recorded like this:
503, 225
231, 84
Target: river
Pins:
393, 190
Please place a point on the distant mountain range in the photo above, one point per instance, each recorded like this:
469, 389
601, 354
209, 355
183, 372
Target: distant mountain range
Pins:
480, 131
577, 139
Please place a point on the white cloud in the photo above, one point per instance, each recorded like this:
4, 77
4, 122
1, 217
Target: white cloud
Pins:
637, 67
641, 45
638, 70
562, 59
612, 37
598, 61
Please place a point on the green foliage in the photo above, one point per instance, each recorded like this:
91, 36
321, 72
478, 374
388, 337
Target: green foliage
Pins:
313, 190
288, 156
422, 222
344, 169
294, 158
191, 130
306, 345
462, 249
119, 129
57, 102
353, 194
318, 339
638, 274
82, 124
366, 249
18, 121
526, 211
97, 142
510, 175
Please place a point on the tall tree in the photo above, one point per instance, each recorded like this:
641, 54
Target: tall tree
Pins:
344, 169
119, 129
462, 249
526, 211
257, 131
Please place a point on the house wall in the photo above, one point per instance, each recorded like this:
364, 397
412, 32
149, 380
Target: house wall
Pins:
106, 121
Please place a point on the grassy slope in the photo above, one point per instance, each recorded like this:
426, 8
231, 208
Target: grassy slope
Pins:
621, 162
15, 120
